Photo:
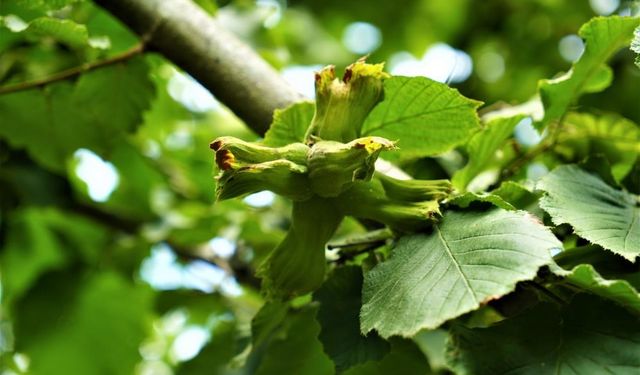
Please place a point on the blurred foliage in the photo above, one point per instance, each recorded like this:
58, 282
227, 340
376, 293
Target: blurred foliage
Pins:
75, 290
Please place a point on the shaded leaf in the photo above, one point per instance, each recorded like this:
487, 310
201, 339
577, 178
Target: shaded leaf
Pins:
433, 344
469, 259
42, 240
297, 350
603, 37
70, 341
405, 358
214, 357
596, 211
424, 116
267, 321
339, 318
586, 277
609, 265
589, 336
289, 125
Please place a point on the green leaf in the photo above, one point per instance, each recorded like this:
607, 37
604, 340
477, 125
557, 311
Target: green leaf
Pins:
589, 336
469, 198
113, 99
469, 259
433, 344
482, 148
95, 113
215, 356
338, 315
289, 125
597, 212
587, 278
426, 117
635, 44
41, 240
65, 31
139, 179
42, 5
610, 135
516, 194
94, 325
405, 358
297, 350
603, 37
266, 322
51, 116
31, 249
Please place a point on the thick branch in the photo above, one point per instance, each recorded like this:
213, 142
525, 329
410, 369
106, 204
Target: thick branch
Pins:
195, 42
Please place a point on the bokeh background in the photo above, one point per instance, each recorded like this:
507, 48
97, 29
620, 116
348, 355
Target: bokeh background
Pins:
115, 257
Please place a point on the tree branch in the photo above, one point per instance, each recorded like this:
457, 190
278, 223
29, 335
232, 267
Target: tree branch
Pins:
241, 271
194, 41
66, 74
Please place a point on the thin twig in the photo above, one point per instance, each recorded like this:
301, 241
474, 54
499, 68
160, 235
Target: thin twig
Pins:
72, 72
355, 244
193, 254
542, 289
184, 252
343, 257
372, 237
518, 163
540, 149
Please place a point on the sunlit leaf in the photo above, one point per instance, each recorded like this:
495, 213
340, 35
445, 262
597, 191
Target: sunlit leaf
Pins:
635, 44
469, 198
610, 135
597, 212
516, 194
424, 116
66, 31
468, 260
289, 125
603, 37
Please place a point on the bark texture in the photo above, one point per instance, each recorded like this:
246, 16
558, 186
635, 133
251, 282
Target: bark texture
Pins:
190, 38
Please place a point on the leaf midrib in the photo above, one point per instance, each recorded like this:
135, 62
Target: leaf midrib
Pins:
385, 124
457, 265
